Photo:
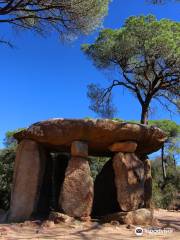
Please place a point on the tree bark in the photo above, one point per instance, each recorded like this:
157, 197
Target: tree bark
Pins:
163, 163
144, 114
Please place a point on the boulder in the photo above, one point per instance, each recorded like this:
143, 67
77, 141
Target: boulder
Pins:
76, 197
58, 134
79, 149
140, 217
126, 147
28, 174
129, 181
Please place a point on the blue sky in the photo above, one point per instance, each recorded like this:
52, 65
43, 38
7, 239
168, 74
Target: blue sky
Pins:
43, 78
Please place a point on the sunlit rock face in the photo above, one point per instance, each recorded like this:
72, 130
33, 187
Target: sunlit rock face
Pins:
99, 133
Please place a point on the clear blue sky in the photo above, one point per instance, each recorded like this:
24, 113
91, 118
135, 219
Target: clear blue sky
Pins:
42, 78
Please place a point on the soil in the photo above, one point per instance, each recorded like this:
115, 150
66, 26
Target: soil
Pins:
168, 226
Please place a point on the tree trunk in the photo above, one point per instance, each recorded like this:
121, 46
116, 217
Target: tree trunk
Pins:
144, 114
163, 163
174, 160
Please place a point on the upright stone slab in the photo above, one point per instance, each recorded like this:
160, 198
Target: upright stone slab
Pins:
76, 197
147, 184
129, 181
27, 179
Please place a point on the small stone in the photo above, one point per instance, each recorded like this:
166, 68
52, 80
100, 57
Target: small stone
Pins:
85, 219
79, 149
48, 224
140, 217
60, 217
129, 226
114, 223
126, 147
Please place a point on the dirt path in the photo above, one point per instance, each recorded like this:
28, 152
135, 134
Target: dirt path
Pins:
169, 222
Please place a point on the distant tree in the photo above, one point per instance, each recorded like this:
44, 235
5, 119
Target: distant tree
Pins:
7, 157
67, 17
171, 148
145, 56
166, 193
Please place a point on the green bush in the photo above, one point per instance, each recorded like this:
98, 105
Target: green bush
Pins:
7, 157
165, 192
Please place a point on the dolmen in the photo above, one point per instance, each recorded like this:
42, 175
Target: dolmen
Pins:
52, 168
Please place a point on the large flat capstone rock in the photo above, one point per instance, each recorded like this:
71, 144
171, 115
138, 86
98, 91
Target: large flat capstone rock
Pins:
98, 133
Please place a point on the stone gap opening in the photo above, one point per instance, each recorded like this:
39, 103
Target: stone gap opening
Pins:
105, 192
52, 181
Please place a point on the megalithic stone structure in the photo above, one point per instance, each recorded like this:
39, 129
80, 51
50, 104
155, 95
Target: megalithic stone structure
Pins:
76, 197
82, 137
28, 174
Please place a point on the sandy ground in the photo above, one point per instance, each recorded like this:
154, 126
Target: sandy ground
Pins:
169, 223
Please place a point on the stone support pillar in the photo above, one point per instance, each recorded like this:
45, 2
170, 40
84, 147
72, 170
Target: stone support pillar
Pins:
147, 184
129, 181
76, 197
27, 180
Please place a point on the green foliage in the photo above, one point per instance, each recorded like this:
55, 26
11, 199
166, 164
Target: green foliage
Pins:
144, 56
172, 130
10, 141
68, 18
7, 157
165, 193
96, 165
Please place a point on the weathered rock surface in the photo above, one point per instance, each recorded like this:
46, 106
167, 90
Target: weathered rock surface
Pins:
79, 149
126, 147
105, 195
58, 217
140, 217
129, 181
76, 197
27, 179
100, 134
147, 184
